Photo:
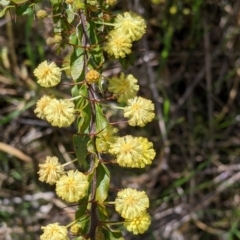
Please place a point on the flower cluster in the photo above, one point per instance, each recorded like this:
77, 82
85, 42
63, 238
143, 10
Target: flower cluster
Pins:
96, 137
73, 186
123, 87
132, 205
132, 152
51, 170
128, 27
48, 74
140, 111
58, 112
92, 76
54, 232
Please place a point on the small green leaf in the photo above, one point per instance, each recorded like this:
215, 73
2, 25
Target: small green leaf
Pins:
76, 66
24, 9
19, 1
84, 120
4, 2
83, 108
101, 120
70, 15
111, 234
75, 92
2, 13
82, 207
103, 181
53, 2
80, 148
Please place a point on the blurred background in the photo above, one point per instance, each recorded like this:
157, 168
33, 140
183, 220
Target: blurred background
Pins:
188, 63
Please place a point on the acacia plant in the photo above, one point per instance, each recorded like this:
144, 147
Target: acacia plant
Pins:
92, 36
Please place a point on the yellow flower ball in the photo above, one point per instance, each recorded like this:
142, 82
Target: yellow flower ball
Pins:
92, 76
138, 225
54, 232
48, 74
60, 113
131, 24
41, 14
73, 186
50, 171
123, 87
40, 106
118, 44
140, 111
131, 203
132, 152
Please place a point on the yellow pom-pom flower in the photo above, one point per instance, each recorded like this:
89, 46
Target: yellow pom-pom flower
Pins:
40, 106
54, 231
131, 203
140, 111
47, 74
118, 44
60, 113
131, 24
50, 171
41, 14
138, 225
133, 152
124, 87
72, 187
92, 76
76, 229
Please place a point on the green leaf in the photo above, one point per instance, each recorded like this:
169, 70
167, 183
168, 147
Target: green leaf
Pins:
103, 181
70, 15
75, 92
96, 52
53, 2
24, 9
82, 207
19, 1
2, 13
84, 120
111, 234
4, 2
101, 120
80, 148
76, 65
84, 109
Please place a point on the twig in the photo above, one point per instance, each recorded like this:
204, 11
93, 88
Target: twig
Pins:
208, 73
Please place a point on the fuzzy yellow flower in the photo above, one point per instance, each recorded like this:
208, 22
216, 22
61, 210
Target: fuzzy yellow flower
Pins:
131, 203
92, 76
138, 225
41, 14
50, 171
54, 231
140, 111
60, 113
76, 229
123, 87
72, 187
133, 152
131, 24
118, 44
48, 74
40, 106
